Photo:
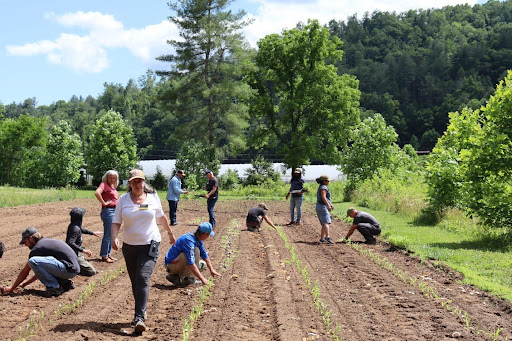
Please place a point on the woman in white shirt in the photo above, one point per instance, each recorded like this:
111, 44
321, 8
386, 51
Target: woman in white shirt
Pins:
141, 212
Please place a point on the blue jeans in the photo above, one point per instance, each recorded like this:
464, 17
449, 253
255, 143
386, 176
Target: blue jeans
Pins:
211, 204
140, 268
107, 215
48, 270
296, 203
173, 207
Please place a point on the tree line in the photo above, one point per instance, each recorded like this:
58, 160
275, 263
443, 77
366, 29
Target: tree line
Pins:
301, 94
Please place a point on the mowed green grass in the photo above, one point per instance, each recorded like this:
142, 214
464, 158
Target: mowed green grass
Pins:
14, 196
485, 261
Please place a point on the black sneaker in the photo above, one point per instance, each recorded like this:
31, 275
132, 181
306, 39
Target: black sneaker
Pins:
68, 286
328, 240
174, 279
322, 241
371, 241
52, 292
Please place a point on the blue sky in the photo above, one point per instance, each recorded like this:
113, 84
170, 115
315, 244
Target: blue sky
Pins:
54, 49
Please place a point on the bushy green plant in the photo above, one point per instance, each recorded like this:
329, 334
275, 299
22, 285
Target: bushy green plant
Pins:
159, 182
262, 171
229, 180
194, 158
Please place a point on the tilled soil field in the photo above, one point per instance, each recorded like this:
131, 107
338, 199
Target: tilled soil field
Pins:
275, 285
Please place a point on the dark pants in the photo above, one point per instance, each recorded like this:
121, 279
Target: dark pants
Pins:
211, 204
140, 267
173, 207
368, 230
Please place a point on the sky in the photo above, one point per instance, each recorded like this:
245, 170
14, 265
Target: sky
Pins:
53, 49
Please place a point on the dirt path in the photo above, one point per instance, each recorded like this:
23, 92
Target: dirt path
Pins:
376, 293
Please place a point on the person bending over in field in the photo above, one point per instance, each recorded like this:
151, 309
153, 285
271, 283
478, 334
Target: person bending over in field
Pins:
365, 223
54, 263
182, 259
256, 216
74, 240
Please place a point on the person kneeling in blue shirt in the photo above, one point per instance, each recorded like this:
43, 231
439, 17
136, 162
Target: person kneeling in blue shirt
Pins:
182, 259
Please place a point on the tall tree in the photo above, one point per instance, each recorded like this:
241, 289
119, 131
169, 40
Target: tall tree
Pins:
206, 90
111, 145
22, 142
63, 157
303, 107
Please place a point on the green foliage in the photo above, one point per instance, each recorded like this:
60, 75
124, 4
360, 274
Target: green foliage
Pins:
229, 180
111, 145
206, 91
194, 158
417, 66
63, 158
372, 147
22, 146
159, 182
303, 108
261, 171
471, 164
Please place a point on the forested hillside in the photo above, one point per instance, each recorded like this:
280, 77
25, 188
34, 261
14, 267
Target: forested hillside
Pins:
416, 67
413, 68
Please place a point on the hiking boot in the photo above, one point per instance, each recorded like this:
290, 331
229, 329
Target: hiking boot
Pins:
68, 286
371, 241
174, 279
328, 240
140, 326
52, 292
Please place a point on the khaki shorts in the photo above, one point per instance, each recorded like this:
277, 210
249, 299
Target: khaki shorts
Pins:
179, 265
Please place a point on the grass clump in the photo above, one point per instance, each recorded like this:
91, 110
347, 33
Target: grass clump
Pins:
16, 196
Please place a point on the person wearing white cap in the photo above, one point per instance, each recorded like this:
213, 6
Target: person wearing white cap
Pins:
182, 259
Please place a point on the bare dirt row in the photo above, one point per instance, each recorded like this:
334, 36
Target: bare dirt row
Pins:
261, 294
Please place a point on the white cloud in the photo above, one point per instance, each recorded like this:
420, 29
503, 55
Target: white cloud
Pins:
87, 53
272, 16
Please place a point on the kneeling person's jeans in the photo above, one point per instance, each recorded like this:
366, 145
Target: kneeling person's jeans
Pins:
48, 270
368, 230
179, 265
254, 225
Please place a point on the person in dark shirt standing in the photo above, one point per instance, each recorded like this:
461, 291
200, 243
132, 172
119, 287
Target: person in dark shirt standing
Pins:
54, 263
365, 223
255, 217
74, 240
297, 193
212, 187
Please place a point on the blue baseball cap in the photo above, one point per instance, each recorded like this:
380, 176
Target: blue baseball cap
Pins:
205, 227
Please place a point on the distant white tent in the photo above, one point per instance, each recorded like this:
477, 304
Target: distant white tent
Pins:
310, 173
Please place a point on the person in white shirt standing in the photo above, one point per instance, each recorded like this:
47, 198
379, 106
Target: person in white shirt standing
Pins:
141, 212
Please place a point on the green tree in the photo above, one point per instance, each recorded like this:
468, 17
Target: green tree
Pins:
206, 90
64, 157
193, 159
22, 145
303, 108
159, 182
111, 145
372, 147
262, 171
